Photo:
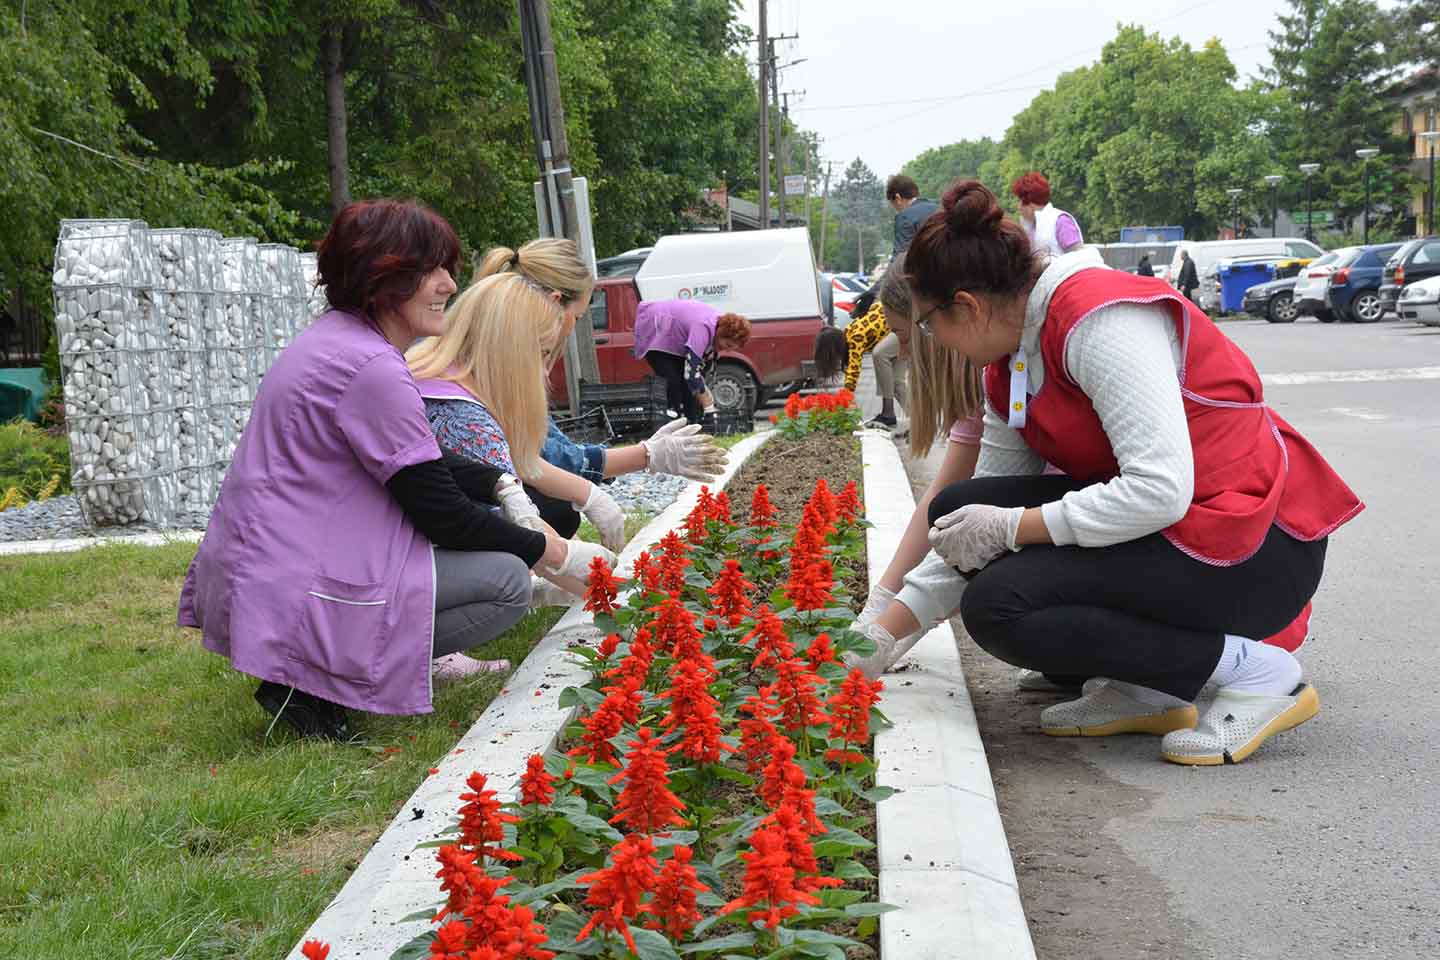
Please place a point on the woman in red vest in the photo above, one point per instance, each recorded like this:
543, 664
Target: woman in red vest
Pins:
1191, 522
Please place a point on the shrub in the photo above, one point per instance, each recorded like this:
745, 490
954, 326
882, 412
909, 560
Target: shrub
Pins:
34, 465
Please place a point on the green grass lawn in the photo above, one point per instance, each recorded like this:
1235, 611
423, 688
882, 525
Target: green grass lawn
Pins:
143, 814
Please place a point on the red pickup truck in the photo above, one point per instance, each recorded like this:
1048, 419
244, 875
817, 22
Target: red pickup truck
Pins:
767, 276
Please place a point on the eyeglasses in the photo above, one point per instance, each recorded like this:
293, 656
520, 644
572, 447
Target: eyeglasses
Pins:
922, 322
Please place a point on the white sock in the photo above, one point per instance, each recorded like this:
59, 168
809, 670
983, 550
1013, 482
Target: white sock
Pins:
1252, 667
1146, 695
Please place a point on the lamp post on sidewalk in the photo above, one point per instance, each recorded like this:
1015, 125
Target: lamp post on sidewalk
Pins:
1430, 136
1235, 210
1367, 154
1309, 169
1274, 180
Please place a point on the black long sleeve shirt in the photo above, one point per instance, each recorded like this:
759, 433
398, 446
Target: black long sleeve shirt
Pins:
444, 498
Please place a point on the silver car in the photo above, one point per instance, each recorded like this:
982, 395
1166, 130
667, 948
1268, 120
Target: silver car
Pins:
1314, 281
1420, 302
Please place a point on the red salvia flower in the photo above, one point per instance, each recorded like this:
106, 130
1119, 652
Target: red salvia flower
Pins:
769, 880
705, 501
850, 715
848, 503
646, 804
720, 510
792, 405
609, 645
695, 522
636, 664
315, 950
602, 588
762, 511
821, 651
808, 544
780, 773
521, 936
809, 585
482, 823
799, 851
461, 880
756, 730
799, 798
844, 397
710, 624
615, 891
675, 629
675, 890
824, 500
795, 685
621, 705
693, 711
646, 571
537, 786
728, 594
449, 942
771, 643
674, 562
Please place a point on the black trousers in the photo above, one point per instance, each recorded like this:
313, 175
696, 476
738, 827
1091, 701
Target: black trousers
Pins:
671, 369
1140, 611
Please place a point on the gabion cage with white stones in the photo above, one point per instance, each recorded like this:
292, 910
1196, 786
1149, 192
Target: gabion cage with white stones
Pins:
164, 336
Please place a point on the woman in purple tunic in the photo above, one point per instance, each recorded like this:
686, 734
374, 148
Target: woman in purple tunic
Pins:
680, 339
344, 552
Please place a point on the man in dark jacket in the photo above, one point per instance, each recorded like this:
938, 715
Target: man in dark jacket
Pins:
1189, 279
1144, 269
910, 208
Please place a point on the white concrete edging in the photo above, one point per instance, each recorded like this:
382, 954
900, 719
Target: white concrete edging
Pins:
17, 548
394, 879
944, 859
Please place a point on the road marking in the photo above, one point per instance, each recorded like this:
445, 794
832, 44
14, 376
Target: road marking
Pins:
1350, 376
1359, 413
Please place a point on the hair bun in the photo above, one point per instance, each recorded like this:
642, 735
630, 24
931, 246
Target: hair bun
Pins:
970, 207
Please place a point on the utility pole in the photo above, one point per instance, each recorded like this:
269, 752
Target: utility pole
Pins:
764, 59
859, 249
824, 214
809, 153
552, 150
783, 102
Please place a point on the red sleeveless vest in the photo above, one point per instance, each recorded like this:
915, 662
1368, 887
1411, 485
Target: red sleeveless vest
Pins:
1252, 469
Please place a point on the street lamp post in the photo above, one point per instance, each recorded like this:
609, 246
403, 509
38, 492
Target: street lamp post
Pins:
1309, 169
1235, 209
1274, 180
1367, 154
1430, 136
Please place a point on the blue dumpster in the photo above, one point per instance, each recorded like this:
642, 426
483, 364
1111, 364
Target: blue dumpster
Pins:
1236, 278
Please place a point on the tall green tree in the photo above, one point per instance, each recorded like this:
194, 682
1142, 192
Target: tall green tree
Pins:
1331, 64
858, 200
934, 170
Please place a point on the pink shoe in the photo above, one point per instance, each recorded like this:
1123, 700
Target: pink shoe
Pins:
457, 666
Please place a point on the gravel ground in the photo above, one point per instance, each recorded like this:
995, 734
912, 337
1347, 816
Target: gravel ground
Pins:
59, 518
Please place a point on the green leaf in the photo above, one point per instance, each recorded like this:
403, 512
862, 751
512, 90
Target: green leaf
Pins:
877, 793
416, 949
583, 652
426, 915
840, 898
592, 825
653, 945
563, 927
869, 909
530, 895
852, 870
867, 927
675, 838
826, 951
722, 772
820, 936
745, 939
596, 781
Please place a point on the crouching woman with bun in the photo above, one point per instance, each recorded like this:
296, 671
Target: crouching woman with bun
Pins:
1192, 519
345, 552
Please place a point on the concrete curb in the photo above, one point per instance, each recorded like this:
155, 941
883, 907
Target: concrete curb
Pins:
394, 879
944, 859
20, 548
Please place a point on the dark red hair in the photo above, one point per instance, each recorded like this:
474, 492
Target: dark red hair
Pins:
1032, 188
969, 244
733, 327
377, 252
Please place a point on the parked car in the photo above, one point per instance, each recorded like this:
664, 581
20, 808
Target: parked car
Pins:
1313, 281
767, 276
1273, 300
1415, 260
1420, 302
1207, 255
625, 264
845, 287
1354, 288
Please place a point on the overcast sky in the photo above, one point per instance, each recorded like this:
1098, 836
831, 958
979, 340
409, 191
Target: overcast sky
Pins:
961, 70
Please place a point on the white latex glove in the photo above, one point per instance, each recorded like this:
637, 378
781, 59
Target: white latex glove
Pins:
875, 604
974, 535
684, 451
517, 506
601, 509
578, 554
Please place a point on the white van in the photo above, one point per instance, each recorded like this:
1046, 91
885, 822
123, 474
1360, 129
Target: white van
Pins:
759, 274
1207, 255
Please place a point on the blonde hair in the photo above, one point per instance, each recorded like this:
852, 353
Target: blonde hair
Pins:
553, 263
500, 335
945, 386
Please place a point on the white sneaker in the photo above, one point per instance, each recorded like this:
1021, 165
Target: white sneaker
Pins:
1237, 724
1106, 710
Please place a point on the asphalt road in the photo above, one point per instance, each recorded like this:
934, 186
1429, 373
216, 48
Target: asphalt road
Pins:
1326, 843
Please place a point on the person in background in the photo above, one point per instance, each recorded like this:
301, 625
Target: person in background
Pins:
570, 476
837, 350
1052, 231
1189, 278
345, 551
1144, 269
1192, 519
680, 340
911, 210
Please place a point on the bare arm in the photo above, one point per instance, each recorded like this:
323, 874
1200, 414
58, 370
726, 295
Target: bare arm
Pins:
626, 460
958, 464
561, 484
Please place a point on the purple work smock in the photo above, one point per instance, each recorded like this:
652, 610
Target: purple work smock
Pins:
310, 574
674, 326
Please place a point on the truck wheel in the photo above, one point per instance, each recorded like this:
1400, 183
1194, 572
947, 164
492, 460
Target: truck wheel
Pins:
1282, 308
733, 388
